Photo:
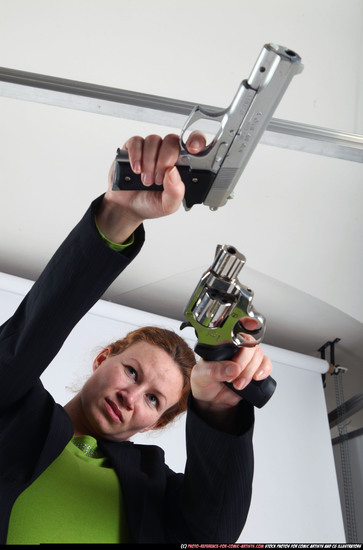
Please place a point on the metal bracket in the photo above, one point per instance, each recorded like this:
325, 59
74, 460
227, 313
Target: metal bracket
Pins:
334, 369
115, 102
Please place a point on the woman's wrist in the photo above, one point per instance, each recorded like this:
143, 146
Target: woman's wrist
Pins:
221, 418
116, 223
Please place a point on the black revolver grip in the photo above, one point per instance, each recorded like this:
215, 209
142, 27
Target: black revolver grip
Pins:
197, 182
257, 392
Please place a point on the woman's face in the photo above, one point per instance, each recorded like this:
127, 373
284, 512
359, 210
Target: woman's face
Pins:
128, 392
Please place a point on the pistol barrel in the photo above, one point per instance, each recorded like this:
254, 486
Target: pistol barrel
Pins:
268, 81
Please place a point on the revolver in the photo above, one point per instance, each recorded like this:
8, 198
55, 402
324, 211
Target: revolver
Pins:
215, 311
211, 175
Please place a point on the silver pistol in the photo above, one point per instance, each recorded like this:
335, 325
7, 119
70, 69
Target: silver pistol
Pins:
211, 175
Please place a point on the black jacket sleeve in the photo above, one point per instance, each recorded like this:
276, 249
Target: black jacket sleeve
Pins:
77, 275
216, 489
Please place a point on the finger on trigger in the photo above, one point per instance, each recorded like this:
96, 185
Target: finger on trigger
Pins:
196, 142
249, 323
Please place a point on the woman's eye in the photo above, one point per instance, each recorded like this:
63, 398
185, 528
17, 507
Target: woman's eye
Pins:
131, 371
153, 399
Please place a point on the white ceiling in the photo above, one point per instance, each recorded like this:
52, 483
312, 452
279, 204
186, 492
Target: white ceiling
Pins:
297, 217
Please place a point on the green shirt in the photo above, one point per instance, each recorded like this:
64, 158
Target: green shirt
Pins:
111, 244
77, 499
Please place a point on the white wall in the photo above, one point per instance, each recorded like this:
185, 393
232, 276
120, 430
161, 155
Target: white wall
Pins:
295, 496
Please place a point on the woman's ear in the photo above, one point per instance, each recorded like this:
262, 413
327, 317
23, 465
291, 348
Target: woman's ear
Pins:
101, 357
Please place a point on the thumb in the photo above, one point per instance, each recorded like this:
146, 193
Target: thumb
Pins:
173, 193
217, 371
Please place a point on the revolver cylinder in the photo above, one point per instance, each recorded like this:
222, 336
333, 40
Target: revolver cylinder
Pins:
220, 302
218, 297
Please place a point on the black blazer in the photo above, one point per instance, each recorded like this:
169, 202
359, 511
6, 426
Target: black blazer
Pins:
209, 503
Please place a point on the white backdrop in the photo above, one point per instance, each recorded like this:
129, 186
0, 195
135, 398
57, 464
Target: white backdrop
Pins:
295, 495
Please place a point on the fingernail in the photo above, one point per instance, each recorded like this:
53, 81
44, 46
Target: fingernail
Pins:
260, 373
147, 178
137, 167
159, 178
194, 145
174, 175
241, 383
229, 371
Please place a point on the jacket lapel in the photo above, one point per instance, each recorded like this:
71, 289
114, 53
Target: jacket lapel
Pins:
140, 469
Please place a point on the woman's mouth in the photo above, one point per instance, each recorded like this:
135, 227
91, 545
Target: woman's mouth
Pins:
113, 411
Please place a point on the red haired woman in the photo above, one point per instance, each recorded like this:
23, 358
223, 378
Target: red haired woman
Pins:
70, 474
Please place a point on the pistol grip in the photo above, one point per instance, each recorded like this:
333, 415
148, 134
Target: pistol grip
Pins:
197, 182
257, 392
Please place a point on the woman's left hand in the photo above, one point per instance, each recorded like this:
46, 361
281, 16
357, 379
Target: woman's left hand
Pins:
208, 376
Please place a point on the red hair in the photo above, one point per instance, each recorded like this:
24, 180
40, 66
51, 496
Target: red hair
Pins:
178, 350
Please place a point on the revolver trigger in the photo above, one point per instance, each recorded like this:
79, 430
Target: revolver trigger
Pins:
240, 328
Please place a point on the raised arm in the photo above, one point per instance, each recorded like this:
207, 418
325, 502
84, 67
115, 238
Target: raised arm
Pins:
83, 268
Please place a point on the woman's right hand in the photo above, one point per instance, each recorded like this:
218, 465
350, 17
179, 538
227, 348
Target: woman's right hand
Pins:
154, 159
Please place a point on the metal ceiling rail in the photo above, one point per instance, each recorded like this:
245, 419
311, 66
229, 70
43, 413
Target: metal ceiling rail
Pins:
71, 94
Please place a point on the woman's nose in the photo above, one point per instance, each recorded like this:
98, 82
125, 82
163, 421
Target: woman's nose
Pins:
130, 396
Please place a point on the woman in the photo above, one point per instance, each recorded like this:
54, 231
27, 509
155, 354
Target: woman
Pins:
139, 383
70, 474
